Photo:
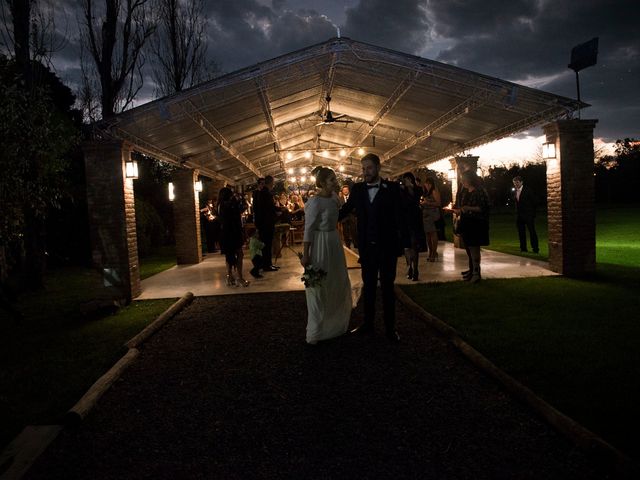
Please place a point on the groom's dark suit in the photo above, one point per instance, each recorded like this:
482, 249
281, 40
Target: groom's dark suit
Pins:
382, 237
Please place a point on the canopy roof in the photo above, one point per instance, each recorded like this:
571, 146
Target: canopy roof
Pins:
262, 120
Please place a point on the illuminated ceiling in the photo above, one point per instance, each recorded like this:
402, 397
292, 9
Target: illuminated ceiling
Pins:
261, 120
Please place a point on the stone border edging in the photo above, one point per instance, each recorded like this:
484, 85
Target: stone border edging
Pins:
154, 326
80, 410
605, 453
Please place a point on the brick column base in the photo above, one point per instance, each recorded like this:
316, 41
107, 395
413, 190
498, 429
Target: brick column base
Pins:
186, 213
112, 217
571, 197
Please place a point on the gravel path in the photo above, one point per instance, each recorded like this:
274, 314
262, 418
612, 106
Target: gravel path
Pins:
228, 389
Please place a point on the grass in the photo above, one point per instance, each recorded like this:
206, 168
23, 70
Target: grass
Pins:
160, 260
50, 357
576, 342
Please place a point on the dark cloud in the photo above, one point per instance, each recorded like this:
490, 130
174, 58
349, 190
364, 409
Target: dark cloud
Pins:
525, 40
399, 25
245, 32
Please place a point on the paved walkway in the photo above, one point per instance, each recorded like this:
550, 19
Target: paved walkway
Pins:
208, 277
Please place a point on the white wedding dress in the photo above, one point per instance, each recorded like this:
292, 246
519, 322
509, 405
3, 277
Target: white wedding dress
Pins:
328, 305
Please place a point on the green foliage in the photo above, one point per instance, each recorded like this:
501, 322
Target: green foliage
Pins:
34, 139
617, 176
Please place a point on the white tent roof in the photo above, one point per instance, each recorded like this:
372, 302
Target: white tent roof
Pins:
261, 120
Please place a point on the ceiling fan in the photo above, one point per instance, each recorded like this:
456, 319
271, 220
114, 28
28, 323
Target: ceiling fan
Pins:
330, 118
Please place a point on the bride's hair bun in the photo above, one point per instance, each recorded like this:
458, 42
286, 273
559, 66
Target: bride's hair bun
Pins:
322, 175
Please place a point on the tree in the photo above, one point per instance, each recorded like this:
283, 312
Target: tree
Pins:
179, 46
616, 176
35, 136
115, 38
31, 33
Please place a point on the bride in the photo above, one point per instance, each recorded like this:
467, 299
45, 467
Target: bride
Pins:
328, 304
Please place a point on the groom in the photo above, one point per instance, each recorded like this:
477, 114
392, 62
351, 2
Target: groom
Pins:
382, 237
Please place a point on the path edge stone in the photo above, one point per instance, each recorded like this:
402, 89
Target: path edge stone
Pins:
602, 452
154, 326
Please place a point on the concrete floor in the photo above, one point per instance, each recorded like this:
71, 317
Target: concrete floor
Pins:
208, 277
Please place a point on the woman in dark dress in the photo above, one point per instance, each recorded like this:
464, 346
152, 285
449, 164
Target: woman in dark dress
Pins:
474, 218
410, 195
232, 239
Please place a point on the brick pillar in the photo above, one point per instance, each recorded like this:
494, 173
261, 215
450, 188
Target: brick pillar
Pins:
571, 197
459, 165
112, 217
186, 214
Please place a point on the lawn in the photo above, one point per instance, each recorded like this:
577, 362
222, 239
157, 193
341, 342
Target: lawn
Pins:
576, 342
50, 357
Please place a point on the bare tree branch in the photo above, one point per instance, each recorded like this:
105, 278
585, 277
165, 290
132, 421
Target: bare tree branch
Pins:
179, 48
116, 40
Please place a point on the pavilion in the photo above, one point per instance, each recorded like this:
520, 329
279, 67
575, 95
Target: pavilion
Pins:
320, 106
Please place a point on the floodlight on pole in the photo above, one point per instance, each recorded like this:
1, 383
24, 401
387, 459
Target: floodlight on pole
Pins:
583, 56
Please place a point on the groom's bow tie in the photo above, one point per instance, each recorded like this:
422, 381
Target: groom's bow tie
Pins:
373, 186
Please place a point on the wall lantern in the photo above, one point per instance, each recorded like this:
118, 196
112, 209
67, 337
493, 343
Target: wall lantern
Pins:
197, 186
172, 195
548, 151
131, 168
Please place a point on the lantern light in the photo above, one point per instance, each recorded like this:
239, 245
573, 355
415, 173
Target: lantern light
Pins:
548, 151
361, 151
341, 168
303, 179
343, 152
289, 155
131, 168
312, 179
197, 186
290, 171
307, 154
172, 195
452, 174
303, 170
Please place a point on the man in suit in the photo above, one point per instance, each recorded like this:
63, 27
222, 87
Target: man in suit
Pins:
382, 238
526, 214
349, 230
265, 220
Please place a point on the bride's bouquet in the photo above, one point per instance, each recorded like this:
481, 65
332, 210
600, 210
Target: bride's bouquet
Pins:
312, 276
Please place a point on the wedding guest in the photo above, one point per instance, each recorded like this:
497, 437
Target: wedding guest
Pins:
349, 223
525, 201
232, 239
410, 193
474, 222
382, 237
296, 207
431, 203
265, 221
211, 225
329, 303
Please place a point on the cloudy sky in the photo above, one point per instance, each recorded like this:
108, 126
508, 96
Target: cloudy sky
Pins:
525, 41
